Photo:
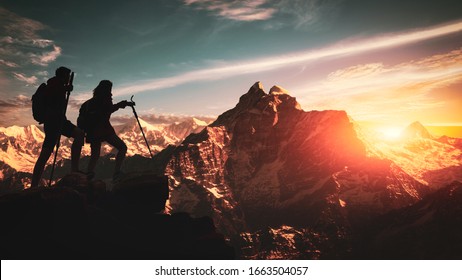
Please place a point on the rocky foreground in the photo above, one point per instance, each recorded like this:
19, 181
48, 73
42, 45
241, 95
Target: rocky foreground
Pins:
76, 219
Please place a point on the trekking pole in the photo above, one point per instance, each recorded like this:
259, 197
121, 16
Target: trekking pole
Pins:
68, 93
142, 132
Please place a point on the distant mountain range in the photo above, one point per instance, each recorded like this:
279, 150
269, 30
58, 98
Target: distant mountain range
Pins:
280, 182
20, 146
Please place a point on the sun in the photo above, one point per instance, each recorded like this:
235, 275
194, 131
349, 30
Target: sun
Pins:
390, 132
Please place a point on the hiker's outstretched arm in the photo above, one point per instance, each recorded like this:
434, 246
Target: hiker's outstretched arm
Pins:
122, 104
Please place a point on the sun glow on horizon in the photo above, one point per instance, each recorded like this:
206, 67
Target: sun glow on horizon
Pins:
390, 133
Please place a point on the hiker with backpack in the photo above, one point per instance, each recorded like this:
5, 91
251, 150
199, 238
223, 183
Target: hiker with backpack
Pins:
49, 105
94, 120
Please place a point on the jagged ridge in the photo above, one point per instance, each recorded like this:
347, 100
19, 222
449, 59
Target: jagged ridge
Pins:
266, 162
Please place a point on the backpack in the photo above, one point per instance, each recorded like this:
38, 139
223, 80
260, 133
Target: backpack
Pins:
85, 120
39, 105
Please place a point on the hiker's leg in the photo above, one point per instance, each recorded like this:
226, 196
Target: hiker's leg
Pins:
95, 152
40, 165
117, 143
70, 130
51, 138
76, 148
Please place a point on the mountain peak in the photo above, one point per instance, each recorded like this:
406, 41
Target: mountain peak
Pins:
246, 102
416, 130
257, 101
277, 90
257, 86
199, 122
31, 132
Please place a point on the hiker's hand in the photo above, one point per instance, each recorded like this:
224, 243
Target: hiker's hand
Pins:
125, 103
69, 87
122, 104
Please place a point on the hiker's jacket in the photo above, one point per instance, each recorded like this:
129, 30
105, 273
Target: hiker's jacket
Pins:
101, 108
55, 100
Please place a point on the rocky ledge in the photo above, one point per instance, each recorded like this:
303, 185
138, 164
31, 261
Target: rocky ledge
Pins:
76, 219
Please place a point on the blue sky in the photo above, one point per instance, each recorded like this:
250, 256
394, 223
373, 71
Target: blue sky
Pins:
390, 62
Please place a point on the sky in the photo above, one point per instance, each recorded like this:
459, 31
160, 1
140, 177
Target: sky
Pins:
384, 62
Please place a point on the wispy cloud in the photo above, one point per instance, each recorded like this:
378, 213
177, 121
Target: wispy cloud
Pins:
20, 26
22, 44
379, 91
356, 71
303, 13
8, 63
45, 58
234, 9
32, 80
275, 13
424, 72
342, 49
14, 110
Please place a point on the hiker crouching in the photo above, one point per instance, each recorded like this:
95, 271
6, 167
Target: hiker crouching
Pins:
94, 119
56, 123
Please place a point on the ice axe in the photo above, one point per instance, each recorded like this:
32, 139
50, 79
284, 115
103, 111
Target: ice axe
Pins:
141, 128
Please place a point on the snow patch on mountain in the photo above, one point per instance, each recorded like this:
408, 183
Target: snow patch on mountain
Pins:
433, 162
277, 90
20, 146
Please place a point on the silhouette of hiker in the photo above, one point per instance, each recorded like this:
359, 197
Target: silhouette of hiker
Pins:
56, 123
100, 129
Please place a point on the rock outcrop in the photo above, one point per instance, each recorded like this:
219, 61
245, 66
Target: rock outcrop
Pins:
80, 220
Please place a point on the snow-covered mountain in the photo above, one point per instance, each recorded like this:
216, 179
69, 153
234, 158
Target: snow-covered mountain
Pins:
20, 146
159, 136
434, 162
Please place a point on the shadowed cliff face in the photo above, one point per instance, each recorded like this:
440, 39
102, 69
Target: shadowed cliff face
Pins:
267, 162
77, 219
429, 229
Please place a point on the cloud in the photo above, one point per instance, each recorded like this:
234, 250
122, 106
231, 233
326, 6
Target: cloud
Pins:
8, 63
275, 13
302, 13
42, 43
234, 9
32, 80
20, 101
13, 110
20, 26
425, 72
45, 58
357, 71
378, 91
340, 49
76, 103
23, 44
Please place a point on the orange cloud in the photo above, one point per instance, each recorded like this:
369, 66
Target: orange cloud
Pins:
377, 91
